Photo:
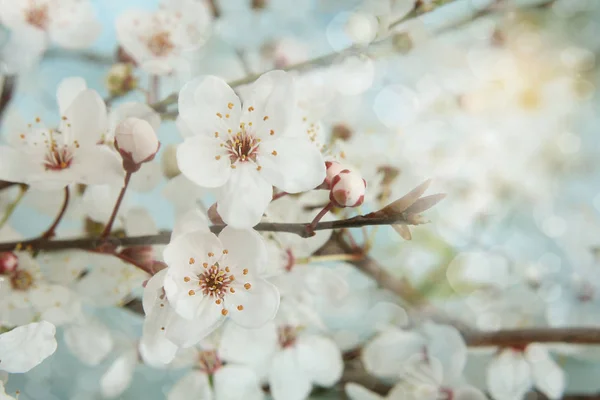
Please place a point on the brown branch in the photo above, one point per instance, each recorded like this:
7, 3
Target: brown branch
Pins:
521, 337
163, 238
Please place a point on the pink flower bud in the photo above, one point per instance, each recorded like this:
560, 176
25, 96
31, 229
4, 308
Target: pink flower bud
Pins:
333, 169
8, 263
347, 189
136, 141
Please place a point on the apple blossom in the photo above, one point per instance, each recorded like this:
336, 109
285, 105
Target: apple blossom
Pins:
26, 346
158, 41
136, 141
244, 151
53, 158
347, 189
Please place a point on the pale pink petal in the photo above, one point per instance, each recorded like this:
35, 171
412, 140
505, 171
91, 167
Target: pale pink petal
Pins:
194, 385
134, 109
243, 200
509, 376
320, 358
259, 303
202, 160
291, 164
208, 105
270, 104
287, 378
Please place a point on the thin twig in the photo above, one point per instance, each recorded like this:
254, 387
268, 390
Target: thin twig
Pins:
50, 232
519, 338
115, 210
12, 206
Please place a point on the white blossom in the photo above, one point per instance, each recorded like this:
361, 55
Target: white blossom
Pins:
26, 346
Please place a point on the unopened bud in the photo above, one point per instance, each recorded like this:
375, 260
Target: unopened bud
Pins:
348, 189
137, 143
120, 79
170, 168
213, 215
8, 263
333, 168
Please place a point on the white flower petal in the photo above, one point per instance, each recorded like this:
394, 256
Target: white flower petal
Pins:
68, 90
446, 344
273, 96
260, 303
233, 382
355, 391
246, 248
97, 165
388, 353
204, 104
509, 376
548, 377
26, 346
134, 109
321, 359
186, 333
243, 200
298, 165
287, 379
203, 161
153, 290
252, 347
89, 341
118, 376
191, 221
155, 348
14, 165
86, 119
55, 303
469, 393
194, 385
192, 247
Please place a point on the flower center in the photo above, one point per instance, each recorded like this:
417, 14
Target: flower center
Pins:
58, 158
243, 147
287, 335
215, 281
160, 44
209, 362
21, 280
37, 15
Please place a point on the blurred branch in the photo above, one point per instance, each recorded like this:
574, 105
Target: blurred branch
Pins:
7, 87
89, 56
522, 337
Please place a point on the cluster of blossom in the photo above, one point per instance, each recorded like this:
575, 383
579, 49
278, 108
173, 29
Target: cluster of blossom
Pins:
256, 313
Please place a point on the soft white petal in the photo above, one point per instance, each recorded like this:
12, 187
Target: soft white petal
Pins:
134, 109
203, 161
509, 376
446, 344
246, 248
196, 245
194, 385
252, 347
68, 90
355, 391
191, 221
273, 96
469, 393
298, 165
243, 200
387, 354
155, 348
98, 165
186, 333
139, 222
118, 376
321, 359
26, 346
287, 378
89, 341
236, 382
55, 303
204, 104
86, 119
548, 376
153, 291
260, 303
14, 165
